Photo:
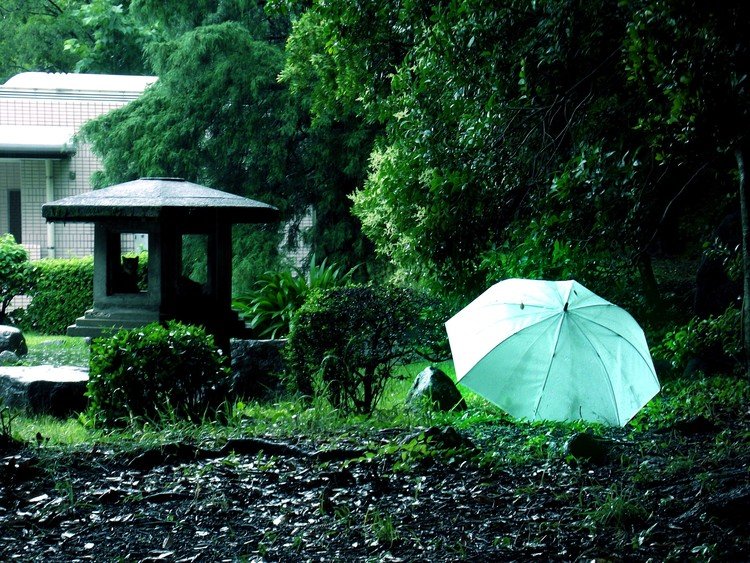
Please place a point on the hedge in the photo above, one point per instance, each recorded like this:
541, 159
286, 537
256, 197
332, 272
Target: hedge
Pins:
62, 290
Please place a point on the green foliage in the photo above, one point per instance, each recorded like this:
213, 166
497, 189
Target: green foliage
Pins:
33, 32
483, 125
698, 95
713, 397
495, 118
194, 121
112, 40
332, 146
147, 371
717, 338
217, 116
15, 272
62, 290
277, 296
345, 343
256, 250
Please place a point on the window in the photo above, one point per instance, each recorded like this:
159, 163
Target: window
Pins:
125, 272
14, 215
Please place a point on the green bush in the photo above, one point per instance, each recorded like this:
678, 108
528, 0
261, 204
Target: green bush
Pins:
718, 338
61, 291
277, 296
345, 342
155, 369
14, 272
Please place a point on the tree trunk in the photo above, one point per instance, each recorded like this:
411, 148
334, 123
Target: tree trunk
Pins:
739, 154
649, 284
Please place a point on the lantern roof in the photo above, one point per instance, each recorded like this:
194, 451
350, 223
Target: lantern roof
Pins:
156, 198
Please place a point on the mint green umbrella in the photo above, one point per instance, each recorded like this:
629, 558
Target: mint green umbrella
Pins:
553, 350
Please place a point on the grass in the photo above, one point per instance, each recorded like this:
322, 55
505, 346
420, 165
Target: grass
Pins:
503, 439
53, 431
56, 350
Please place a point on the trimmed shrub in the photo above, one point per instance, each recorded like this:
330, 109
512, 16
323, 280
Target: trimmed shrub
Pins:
157, 369
345, 343
61, 291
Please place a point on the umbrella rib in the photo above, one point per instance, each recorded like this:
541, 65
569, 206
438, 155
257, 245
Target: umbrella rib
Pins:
609, 328
551, 360
604, 366
563, 314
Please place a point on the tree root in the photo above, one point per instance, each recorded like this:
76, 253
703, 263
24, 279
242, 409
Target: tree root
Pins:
180, 452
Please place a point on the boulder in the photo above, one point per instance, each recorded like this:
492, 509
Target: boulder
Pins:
8, 358
58, 391
583, 446
12, 339
257, 366
715, 290
443, 438
434, 389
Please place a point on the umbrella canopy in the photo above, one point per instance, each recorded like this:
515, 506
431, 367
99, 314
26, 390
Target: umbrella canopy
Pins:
553, 350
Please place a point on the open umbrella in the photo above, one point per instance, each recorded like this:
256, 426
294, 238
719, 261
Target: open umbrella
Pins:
553, 350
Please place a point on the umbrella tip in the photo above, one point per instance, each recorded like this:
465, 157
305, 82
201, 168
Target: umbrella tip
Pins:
565, 308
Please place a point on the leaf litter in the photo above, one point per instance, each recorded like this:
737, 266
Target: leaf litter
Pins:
401, 496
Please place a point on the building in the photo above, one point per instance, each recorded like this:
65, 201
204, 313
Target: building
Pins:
42, 161
40, 158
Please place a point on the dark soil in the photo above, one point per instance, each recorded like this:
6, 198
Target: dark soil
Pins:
681, 494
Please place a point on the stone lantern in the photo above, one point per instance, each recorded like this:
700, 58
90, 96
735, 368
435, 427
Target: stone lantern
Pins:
171, 214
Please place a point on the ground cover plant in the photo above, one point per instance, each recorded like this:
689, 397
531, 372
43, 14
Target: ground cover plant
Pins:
291, 481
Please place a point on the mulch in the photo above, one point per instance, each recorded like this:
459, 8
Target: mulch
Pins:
675, 495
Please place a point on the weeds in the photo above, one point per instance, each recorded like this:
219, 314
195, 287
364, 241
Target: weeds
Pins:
381, 527
618, 509
6, 425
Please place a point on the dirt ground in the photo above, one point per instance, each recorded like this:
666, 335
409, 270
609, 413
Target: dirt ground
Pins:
677, 495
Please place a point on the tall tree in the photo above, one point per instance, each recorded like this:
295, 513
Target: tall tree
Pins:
217, 116
512, 139
331, 147
691, 62
32, 36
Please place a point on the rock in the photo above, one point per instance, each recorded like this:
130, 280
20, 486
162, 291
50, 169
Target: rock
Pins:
444, 438
58, 391
434, 389
587, 447
12, 339
695, 425
8, 358
257, 366
731, 505
715, 290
